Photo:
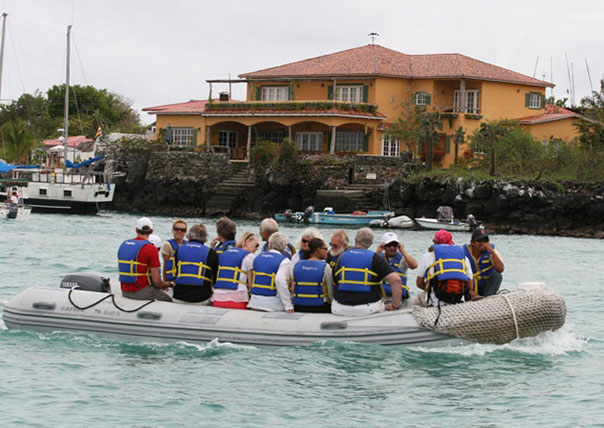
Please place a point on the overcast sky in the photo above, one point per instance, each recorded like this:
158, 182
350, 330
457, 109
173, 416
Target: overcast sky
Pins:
161, 52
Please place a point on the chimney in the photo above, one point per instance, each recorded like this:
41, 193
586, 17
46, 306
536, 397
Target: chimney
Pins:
223, 96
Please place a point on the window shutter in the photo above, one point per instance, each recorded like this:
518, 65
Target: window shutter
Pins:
194, 137
330, 92
365, 143
527, 99
365, 93
428, 99
258, 93
448, 146
414, 99
543, 101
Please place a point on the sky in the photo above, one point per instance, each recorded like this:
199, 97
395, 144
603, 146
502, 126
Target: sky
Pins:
155, 52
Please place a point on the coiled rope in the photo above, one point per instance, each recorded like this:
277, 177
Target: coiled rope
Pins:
103, 299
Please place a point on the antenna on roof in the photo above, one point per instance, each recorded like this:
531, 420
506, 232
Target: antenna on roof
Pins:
373, 36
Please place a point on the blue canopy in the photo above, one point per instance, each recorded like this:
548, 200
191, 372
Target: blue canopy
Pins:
85, 163
4, 167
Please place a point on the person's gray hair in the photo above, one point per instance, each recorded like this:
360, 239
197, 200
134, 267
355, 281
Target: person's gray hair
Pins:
269, 225
278, 241
364, 238
198, 233
343, 235
311, 232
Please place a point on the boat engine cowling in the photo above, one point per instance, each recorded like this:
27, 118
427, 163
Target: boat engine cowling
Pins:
86, 281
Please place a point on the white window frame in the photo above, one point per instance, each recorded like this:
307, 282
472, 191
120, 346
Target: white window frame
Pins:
350, 93
471, 101
421, 99
227, 139
391, 146
272, 135
309, 141
349, 141
275, 93
534, 100
183, 137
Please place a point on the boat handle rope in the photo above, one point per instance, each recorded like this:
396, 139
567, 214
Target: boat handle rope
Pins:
513, 314
103, 299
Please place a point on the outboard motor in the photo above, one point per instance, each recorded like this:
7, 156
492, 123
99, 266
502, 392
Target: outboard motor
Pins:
13, 210
87, 282
288, 215
308, 211
472, 222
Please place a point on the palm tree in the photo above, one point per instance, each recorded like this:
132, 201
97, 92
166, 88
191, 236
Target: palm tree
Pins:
430, 124
458, 138
488, 134
17, 140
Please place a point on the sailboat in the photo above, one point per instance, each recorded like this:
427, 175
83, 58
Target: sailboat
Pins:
75, 188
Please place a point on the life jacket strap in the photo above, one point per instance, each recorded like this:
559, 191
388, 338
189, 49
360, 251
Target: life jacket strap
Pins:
235, 278
200, 270
439, 268
271, 286
366, 271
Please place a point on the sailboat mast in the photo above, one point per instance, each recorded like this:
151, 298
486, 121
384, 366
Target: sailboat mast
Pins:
2, 49
66, 127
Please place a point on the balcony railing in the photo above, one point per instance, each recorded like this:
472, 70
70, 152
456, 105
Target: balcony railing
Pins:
292, 106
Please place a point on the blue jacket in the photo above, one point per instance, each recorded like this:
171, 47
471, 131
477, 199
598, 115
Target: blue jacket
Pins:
191, 264
482, 267
354, 273
266, 266
309, 288
395, 263
127, 256
229, 268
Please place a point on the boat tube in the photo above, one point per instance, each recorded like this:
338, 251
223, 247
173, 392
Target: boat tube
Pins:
84, 303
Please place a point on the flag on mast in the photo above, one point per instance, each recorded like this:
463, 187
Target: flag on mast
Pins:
99, 132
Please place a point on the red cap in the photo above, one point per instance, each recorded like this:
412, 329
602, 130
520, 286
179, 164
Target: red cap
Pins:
443, 237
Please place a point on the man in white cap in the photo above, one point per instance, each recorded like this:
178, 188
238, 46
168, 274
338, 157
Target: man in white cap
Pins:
394, 252
139, 264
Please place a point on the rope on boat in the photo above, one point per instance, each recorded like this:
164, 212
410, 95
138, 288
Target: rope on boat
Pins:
103, 299
513, 314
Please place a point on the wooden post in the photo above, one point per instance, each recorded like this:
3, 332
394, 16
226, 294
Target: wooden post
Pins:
208, 129
249, 142
332, 148
289, 132
462, 95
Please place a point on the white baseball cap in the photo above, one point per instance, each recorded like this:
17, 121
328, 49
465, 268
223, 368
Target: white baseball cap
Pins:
144, 224
389, 237
155, 240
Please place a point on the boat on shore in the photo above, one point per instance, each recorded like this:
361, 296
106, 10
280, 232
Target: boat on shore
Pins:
398, 222
90, 304
433, 223
329, 217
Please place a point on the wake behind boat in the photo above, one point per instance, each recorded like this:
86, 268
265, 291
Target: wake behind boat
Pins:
92, 308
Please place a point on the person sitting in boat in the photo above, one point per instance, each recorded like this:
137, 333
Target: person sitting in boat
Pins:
139, 264
196, 267
312, 282
394, 252
226, 230
268, 226
305, 237
358, 276
487, 264
155, 240
235, 264
337, 245
444, 272
271, 278
168, 249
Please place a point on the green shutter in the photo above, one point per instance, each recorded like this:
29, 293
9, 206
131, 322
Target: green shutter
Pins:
258, 93
365, 93
194, 137
526, 99
448, 146
414, 99
428, 99
543, 99
330, 92
366, 143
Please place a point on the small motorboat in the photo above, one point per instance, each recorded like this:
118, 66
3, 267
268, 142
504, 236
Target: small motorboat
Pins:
14, 211
329, 217
433, 223
398, 222
88, 303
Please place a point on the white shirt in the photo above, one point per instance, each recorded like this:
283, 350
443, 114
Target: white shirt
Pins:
14, 199
428, 260
241, 294
283, 300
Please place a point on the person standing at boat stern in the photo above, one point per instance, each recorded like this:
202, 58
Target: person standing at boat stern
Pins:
196, 267
168, 249
268, 226
271, 278
394, 252
312, 280
226, 230
444, 272
138, 264
358, 276
487, 264
337, 245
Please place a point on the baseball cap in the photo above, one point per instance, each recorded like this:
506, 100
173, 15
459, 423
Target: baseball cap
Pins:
389, 237
443, 237
155, 240
144, 224
479, 233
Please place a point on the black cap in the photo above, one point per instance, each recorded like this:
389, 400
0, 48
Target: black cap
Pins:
479, 233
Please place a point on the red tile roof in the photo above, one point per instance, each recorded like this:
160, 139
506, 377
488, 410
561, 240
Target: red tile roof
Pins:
551, 113
189, 107
74, 141
375, 60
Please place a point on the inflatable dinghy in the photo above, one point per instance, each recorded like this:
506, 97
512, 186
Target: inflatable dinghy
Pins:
85, 303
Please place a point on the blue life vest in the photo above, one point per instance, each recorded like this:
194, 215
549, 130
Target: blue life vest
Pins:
170, 266
449, 264
191, 264
127, 256
355, 272
309, 288
229, 268
266, 266
222, 246
395, 264
482, 267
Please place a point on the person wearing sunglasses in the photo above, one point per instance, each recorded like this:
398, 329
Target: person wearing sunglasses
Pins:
303, 248
487, 264
394, 253
169, 247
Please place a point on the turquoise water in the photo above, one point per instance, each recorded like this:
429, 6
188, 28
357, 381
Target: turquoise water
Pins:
65, 379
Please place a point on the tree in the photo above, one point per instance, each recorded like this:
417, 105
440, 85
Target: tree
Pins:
33, 110
488, 134
459, 138
17, 141
592, 126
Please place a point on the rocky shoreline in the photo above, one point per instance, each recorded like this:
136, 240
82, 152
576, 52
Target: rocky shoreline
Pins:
193, 184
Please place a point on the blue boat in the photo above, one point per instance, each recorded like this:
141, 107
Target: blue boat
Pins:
329, 217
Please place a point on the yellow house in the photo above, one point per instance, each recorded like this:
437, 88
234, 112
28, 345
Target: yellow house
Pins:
346, 102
